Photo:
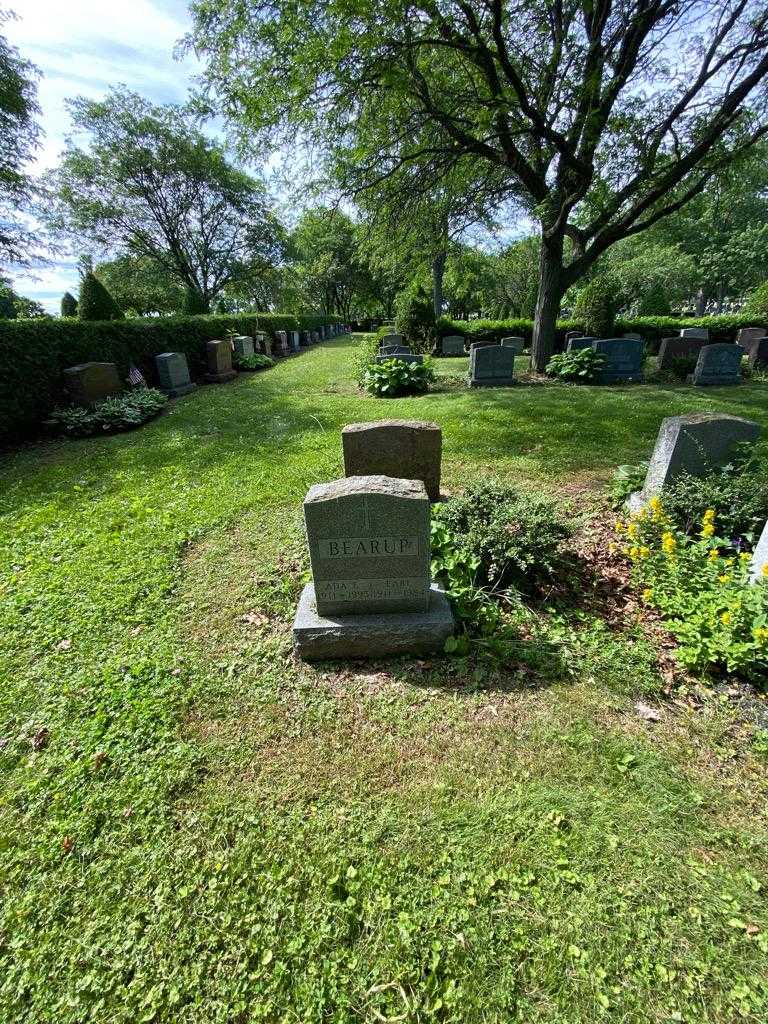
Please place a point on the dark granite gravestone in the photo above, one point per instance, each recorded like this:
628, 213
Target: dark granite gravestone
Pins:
574, 344
718, 364
371, 592
677, 348
632, 335
293, 341
485, 343
695, 444
87, 383
219, 356
306, 339
491, 367
315, 337
392, 339
411, 449
748, 335
572, 334
453, 345
391, 350
758, 354
280, 347
262, 343
173, 373
517, 344
702, 333
242, 345
624, 360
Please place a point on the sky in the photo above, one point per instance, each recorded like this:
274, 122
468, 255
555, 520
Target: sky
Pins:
82, 47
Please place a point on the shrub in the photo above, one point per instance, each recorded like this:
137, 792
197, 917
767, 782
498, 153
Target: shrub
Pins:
678, 369
68, 304
257, 361
594, 309
757, 302
456, 569
95, 301
415, 319
654, 302
720, 620
515, 536
365, 355
394, 378
626, 480
581, 365
120, 412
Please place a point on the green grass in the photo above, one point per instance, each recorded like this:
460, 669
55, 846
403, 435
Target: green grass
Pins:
194, 828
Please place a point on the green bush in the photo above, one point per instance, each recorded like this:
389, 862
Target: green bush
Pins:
594, 310
257, 361
581, 365
625, 481
514, 535
121, 412
95, 301
456, 569
394, 378
365, 354
415, 319
739, 493
194, 304
654, 302
757, 302
68, 304
678, 369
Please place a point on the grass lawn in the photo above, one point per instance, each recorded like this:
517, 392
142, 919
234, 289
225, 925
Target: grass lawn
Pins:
194, 828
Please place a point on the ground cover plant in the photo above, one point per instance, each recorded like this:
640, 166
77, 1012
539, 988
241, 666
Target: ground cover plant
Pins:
119, 412
580, 365
255, 361
395, 378
195, 829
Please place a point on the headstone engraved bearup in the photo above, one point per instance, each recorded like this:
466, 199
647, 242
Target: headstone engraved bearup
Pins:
398, 448
91, 382
371, 591
718, 364
219, 356
173, 374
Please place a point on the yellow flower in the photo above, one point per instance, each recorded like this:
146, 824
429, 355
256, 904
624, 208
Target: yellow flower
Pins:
633, 530
620, 526
713, 555
611, 548
668, 542
730, 561
725, 618
655, 504
634, 553
709, 516
760, 634
764, 570
724, 579
644, 553
648, 594
745, 556
708, 530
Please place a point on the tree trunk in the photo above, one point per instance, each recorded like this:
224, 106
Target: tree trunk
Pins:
438, 272
548, 301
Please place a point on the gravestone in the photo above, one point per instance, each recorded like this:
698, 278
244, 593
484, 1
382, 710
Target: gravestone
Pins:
87, 383
293, 341
262, 343
677, 348
219, 356
760, 558
243, 345
453, 345
697, 444
281, 343
392, 339
486, 343
572, 334
517, 344
758, 354
173, 373
718, 364
702, 333
574, 344
491, 367
371, 592
633, 336
747, 336
624, 360
411, 449
404, 357
315, 337
306, 339
391, 350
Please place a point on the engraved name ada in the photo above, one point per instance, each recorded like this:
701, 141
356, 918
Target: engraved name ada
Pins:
368, 547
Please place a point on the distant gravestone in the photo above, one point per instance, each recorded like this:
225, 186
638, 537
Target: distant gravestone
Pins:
747, 336
315, 337
411, 449
87, 383
718, 364
453, 345
293, 341
404, 357
219, 357
572, 334
173, 374
574, 344
624, 360
491, 367
485, 343
696, 444
392, 339
760, 558
371, 592
243, 345
306, 339
632, 336
677, 348
758, 354
281, 344
517, 344
702, 333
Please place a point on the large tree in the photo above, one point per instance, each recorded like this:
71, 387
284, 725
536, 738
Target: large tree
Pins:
149, 184
141, 286
333, 276
607, 115
19, 138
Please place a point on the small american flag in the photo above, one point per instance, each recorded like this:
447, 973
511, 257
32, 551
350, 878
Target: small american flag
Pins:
136, 377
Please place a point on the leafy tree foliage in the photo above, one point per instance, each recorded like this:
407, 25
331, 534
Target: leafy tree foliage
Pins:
17, 307
141, 286
95, 301
595, 309
68, 304
151, 185
333, 277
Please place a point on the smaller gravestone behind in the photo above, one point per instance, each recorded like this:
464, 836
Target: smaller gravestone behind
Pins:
87, 383
306, 339
485, 343
758, 569
392, 339
404, 357
748, 335
262, 343
293, 341
718, 364
574, 344
697, 444
173, 374
572, 334
491, 367
632, 336
677, 348
389, 350
219, 357
453, 345
411, 449
281, 344
243, 345
624, 360
758, 354
517, 344
702, 333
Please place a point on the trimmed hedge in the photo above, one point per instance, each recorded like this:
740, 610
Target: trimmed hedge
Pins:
33, 353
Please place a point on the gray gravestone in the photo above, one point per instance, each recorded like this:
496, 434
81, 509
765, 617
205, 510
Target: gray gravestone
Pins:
390, 350
747, 337
219, 357
262, 343
572, 334
281, 343
574, 344
760, 557
404, 357
411, 449
632, 336
315, 337
87, 383
487, 343
718, 364
306, 339
243, 345
491, 367
453, 345
758, 354
371, 593
392, 339
517, 344
702, 333
293, 340
624, 360
173, 373
697, 444
677, 348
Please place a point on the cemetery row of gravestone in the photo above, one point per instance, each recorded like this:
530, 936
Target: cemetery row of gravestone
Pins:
92, 382
491, 364
368, 536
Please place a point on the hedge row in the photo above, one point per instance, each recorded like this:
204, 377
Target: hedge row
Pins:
33, 353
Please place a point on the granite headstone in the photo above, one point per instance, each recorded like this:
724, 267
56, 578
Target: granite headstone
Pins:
397, 448
453, 345
173, 374
219, 357
517, 344
579, 342
491, 367
671, 349
702, 333
718, 364
87, 383
243, 345
758, 354
623, 360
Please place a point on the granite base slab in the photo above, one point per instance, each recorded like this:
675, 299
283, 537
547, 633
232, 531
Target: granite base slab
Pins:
220, 378
316, 638
499, 382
